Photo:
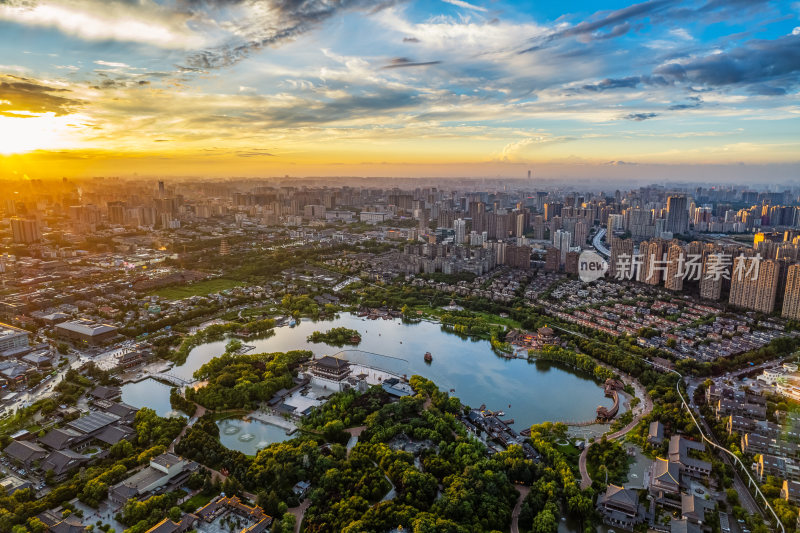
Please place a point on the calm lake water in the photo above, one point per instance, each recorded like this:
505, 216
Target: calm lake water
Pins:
528, 392
149, 393
249, 436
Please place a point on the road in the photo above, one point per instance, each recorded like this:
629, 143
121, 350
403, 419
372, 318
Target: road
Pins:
598, 244
727, 455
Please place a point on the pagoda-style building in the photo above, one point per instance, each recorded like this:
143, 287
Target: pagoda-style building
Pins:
330, 373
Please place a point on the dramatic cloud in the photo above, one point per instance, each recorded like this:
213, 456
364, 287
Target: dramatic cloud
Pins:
755, 62
272, 22
400, 80
19, 97
143, 21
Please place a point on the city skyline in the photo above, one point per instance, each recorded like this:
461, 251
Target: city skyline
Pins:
654, 90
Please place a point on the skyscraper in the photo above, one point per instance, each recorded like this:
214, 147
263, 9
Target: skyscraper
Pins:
677, 215
673, 276
581, 233
754, 289
25, 230
711, 277
460, 227
621, 248
652, 257
791, 298
561, 240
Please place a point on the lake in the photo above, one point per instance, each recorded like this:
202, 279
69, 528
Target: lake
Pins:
249, 436
530, 393
149, 393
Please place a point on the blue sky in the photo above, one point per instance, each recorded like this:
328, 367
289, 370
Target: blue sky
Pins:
435, 87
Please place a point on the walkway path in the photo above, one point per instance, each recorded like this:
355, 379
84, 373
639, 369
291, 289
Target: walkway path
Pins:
523, 492
644, 410
355, 433
299, 512
199, 412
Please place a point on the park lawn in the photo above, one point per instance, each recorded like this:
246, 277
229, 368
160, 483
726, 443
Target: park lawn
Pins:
201, 288
436, 312
195, 502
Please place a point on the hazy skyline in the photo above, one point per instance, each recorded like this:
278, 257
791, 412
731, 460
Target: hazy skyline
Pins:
659, 90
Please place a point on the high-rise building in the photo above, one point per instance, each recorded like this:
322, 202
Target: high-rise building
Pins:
562, 240
651, 255
552, 259
116, 212
460, 228
25, 230
753, 288
711, 278
519, 230
791, 298
676, 259
518, 256
621, 248
677, 215
581, 233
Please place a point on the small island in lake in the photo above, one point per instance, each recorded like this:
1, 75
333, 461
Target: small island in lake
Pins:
337, 337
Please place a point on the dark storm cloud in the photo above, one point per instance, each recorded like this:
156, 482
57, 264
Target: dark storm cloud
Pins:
23, 94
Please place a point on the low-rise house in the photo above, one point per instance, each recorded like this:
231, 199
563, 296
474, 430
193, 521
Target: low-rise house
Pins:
61, 462
25, 452
102, 392
679, 452
693, 509
55, 522
620, 507
683, 526
12, 484
655, 435
665, 480
164, 471
168, 526
61, 438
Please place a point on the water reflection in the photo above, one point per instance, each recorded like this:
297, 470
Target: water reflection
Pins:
528, 392
149, 393
249, 436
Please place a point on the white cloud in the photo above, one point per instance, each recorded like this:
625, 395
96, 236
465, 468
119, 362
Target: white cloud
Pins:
97, 20
465, 5
681, 33
111, 64
796, 31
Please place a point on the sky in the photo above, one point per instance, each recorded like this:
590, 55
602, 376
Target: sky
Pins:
661, 89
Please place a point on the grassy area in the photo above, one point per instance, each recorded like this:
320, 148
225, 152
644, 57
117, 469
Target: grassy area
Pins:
195, 502
436, 312
201, 288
